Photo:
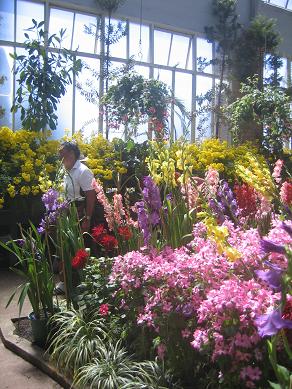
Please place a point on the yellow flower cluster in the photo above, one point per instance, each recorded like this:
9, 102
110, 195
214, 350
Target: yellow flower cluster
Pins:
194, 159
25, 156
219, 235
257, 175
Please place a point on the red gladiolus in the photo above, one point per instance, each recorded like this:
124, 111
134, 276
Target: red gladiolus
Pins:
98, 232
108, 242
125, 232
103, 310
80, 259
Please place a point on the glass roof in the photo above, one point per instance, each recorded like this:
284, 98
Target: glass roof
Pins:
287, 4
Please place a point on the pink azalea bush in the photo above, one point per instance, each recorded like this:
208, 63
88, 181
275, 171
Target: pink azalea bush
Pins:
194, 297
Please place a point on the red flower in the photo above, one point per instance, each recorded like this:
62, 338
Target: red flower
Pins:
80, 259
103, 310
125, 232
98, 232
108, 242
246, 198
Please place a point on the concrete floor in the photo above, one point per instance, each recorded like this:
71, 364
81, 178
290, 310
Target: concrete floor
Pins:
16, 373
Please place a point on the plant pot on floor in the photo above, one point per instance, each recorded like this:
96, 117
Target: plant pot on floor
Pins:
40, 329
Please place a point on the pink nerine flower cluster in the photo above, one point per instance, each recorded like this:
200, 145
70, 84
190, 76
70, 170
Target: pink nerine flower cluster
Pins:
286, 193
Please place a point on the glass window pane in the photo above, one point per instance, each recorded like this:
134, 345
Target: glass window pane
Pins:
183, 91
280, 3
142, 70
204, 55
87, 123
289, 6
164, 76
6, 86
118, 49
7, 20
64, 113
179, 51
83, 41
62, 20
139, 53
161, 47
26, 11
203, 119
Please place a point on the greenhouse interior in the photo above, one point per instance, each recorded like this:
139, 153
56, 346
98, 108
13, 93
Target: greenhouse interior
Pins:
146, 194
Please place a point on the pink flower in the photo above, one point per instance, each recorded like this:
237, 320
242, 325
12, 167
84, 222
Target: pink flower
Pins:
104, 310
102, 199
286, 193
161, 349
252, 373
212, 181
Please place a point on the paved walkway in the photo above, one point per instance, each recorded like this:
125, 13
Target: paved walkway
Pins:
16, 373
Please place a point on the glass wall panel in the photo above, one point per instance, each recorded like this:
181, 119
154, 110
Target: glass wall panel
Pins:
7, 20
143, 70
183, 91
60, 19
26, 11
162, 41
280, 3
83, 41
118, 49
179, 51
64, 113
204, 119
6, 86
87, 123
204, 55
139, 53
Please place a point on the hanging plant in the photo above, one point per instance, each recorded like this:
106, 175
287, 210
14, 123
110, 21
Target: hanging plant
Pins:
135, 100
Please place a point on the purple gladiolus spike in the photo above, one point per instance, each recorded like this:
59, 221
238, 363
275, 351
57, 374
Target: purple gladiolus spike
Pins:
270, 247
272, 277
269, 324
50, 200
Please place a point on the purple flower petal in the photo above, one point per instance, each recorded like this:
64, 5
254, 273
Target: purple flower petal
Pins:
272, 277
269, 324
286, 228
270, 247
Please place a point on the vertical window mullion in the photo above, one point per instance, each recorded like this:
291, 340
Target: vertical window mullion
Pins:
151, 50
14, 52
169, 53
172, 104
73, 29
194, 88
101, 69
128, 40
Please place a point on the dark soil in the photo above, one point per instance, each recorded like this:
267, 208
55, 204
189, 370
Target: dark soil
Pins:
23, 328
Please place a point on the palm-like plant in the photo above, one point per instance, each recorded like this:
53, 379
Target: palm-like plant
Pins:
76, 340
113, 368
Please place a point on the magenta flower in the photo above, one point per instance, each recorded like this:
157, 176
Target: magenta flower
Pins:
286, 228
269, 324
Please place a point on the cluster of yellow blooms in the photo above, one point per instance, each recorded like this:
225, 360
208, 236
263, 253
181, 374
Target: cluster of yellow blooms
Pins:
219, 235
167, 161
25, 157
29, 161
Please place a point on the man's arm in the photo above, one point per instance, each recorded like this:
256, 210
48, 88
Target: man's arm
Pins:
89, 207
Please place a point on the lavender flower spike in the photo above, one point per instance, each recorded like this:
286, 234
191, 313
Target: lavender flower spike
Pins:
270, 247
271, 323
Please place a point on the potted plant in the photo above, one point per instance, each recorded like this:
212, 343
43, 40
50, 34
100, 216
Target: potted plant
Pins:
38, 283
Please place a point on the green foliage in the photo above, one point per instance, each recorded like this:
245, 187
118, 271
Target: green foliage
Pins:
257, 40
43, 78
75, 340
269, 107
35, 268
224, 34
68, 241
113, 368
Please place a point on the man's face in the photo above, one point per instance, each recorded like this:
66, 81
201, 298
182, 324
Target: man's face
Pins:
68, 158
